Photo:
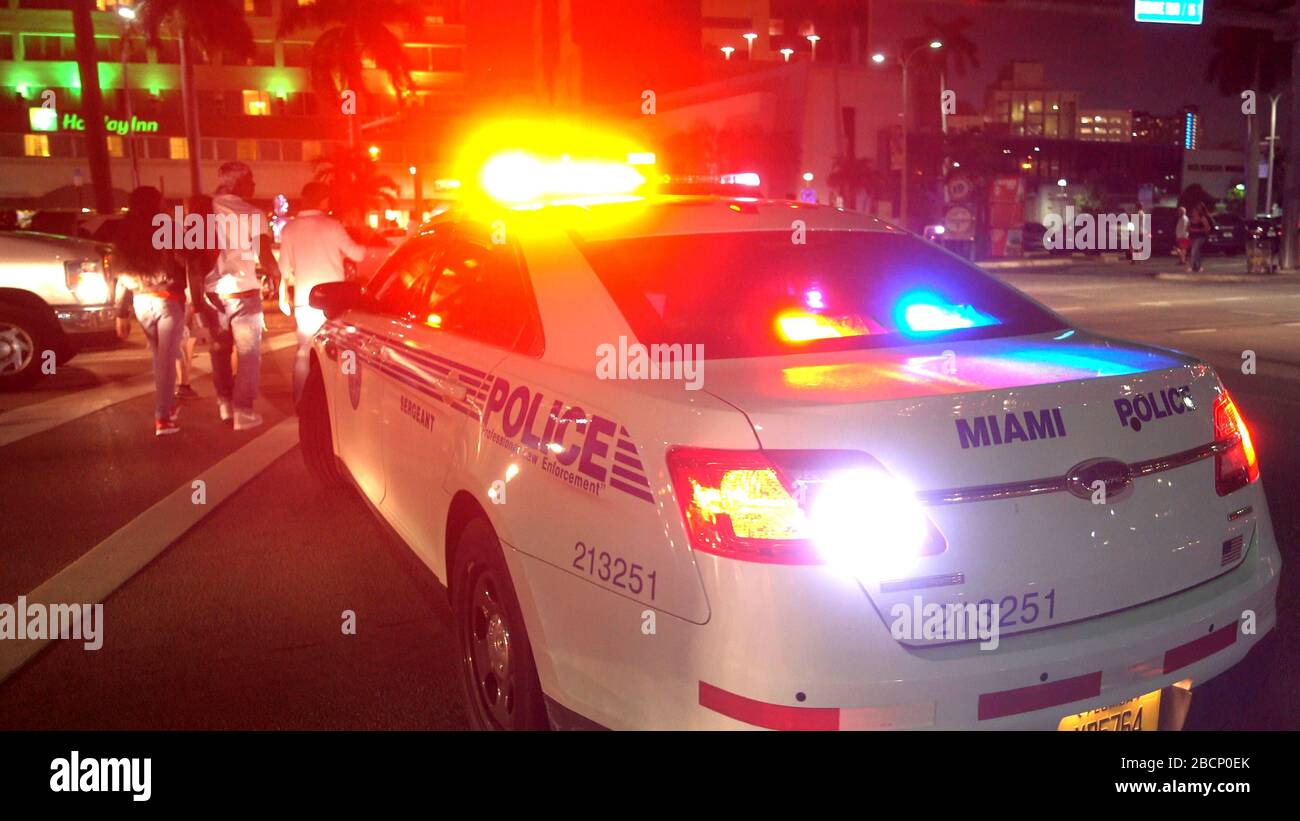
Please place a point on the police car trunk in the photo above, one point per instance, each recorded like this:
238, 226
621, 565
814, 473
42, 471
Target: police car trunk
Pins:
933, 431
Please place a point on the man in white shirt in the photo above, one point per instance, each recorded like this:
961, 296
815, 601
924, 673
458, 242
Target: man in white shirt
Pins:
312, 249
234, 288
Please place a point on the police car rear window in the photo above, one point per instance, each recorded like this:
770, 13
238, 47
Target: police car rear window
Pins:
763, 294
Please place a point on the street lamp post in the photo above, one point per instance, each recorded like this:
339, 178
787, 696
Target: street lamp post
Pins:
786, 52
813, 38
726, 50
127, 15
1272, 145
750, 37
904, 61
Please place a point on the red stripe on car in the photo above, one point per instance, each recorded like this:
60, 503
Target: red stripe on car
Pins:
770, 716
1194, 651
1039, 696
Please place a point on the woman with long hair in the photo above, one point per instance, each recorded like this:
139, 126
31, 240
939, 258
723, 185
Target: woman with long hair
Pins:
158, 282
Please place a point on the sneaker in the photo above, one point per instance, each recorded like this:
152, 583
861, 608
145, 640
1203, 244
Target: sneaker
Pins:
186, 392
223, 408
246, 420
175, 415
165, 426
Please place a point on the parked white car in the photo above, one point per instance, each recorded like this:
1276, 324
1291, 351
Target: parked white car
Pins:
54, 291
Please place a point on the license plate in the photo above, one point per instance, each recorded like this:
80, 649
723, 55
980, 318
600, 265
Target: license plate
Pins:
1141, 713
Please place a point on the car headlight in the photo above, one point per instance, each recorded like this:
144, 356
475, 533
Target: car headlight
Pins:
87, 282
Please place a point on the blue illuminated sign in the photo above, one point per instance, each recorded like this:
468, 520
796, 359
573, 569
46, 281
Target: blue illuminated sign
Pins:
1188, 12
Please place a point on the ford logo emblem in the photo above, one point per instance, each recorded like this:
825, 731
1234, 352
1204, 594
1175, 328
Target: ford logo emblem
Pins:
1112, 473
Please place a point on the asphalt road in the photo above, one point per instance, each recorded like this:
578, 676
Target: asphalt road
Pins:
237, 623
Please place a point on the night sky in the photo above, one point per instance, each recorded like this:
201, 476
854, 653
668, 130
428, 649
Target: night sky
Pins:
1114, 62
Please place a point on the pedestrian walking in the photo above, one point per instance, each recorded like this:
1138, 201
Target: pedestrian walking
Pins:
234, 287
313, 247
1182, 239
1201, 225
160, 288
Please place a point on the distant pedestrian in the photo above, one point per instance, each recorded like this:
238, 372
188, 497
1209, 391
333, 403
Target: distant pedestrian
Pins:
1201, 225
1182, 239
234, 287
159, 286
313, 247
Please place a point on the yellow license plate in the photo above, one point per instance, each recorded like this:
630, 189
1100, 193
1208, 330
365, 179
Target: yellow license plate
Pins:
1141, 713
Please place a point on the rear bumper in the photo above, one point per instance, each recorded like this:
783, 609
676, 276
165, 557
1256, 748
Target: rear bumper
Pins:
797, 647
85, 319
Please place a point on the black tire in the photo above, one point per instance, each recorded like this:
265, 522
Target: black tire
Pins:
499, 676
315, 439
23, 338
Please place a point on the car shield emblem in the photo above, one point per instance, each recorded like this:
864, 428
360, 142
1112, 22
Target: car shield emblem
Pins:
1112, 473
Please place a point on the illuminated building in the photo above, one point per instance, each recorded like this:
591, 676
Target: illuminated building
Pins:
266, 112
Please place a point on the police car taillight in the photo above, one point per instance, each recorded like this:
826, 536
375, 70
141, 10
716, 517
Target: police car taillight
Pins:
801, 507
1236, 467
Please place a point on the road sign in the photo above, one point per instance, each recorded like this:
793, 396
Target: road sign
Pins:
1187, 12
958, 222
958, 189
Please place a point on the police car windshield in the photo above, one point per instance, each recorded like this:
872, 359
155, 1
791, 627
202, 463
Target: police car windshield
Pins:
761, 294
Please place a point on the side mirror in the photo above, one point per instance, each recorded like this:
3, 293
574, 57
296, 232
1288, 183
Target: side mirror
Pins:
334, 298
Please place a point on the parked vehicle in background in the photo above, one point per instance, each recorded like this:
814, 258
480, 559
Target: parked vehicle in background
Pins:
1267, 232
1164, 219
55, 294
99, 227
1031, 236
1228, 235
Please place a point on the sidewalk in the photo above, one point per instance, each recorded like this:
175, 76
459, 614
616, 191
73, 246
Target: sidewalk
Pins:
1215, 269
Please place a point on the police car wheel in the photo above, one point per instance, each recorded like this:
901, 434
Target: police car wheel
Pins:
497, 670
21, 343
314, 437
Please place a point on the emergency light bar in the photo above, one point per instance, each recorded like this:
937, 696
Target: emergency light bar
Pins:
516, 178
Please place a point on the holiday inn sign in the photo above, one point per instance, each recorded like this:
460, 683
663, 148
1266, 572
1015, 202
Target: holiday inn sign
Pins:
47, 119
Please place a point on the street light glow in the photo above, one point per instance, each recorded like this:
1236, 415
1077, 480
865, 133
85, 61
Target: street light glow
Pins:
1061, 182
786, 52
936, 44
126, 12
727, 51
877, 58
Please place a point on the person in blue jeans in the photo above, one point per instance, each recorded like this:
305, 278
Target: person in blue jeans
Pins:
159, 284
235, 290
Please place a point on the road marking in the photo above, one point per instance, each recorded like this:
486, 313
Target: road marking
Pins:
30, 420
1160, 303
1194, 330
1068, 308
104, 568
1230, 298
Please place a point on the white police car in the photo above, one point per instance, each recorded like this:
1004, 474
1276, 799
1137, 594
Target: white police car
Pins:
879, 442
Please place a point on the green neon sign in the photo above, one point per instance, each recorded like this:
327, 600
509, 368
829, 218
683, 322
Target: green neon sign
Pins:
75, 122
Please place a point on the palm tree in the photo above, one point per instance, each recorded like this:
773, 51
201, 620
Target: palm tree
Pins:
352, 32
355, 184
212, 26
959, 53
101, 175
855, 177
1246, 58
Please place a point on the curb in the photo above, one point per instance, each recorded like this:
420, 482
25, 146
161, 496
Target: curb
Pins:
1026, 264
1179, 276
